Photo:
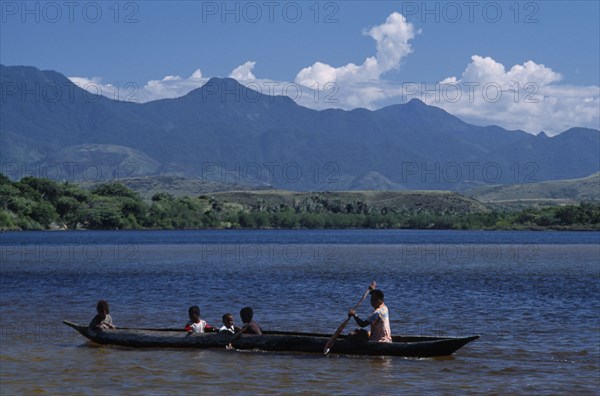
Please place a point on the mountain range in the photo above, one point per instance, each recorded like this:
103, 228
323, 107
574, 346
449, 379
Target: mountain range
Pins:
225, 132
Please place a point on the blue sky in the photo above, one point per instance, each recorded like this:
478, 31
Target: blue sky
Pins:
412, 46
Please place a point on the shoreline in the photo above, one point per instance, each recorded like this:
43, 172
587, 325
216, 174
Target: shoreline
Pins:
533, 228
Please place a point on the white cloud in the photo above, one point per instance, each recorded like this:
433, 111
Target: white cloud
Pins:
392, 39
170, 86
448, 80
487, 69
197, 75
94, 85
83, 81
528, 97
352, 85
171, 78
244, 72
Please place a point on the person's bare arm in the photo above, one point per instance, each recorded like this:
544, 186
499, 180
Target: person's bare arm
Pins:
359, 321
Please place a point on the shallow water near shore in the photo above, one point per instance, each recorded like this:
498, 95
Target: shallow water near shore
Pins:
534, 297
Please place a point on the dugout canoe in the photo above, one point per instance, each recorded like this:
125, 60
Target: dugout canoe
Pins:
408, 346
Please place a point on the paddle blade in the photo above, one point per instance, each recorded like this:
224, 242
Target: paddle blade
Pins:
328, 346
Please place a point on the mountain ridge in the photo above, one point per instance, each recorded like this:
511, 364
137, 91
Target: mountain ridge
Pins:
228, 128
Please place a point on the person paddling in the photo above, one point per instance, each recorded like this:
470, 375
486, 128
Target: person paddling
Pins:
379, 319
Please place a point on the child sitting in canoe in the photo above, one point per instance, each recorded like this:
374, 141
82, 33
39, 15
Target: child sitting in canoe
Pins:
250, 326
228, 326
197, 325
103, 320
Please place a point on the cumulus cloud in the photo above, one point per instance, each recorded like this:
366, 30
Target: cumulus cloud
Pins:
170, 86
392, 39
95, 86
528, 97
393, 45
487, 69
244, 72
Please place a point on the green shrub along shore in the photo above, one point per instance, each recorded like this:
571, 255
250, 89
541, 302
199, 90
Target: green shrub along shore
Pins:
40, 204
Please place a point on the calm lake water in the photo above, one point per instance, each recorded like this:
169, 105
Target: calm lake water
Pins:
534, 297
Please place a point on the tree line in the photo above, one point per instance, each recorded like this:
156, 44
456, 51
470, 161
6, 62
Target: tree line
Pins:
38, 204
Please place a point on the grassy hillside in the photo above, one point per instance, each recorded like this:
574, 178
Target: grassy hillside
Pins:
549, 193
98, 162
177, 186
401, 201
252, 196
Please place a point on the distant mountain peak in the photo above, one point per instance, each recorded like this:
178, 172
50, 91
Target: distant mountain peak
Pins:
416, 110
218, 84
218, 89
223, 80
416, 102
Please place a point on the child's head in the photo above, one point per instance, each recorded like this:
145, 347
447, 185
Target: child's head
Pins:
194, 313
246, 314
102, 307
228, 320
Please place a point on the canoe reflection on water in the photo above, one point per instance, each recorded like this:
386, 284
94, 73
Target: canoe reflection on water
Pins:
407, 346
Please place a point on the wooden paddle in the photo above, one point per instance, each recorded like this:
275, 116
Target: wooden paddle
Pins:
343, 325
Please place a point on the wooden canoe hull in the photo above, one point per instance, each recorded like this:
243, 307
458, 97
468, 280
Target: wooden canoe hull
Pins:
274, 341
